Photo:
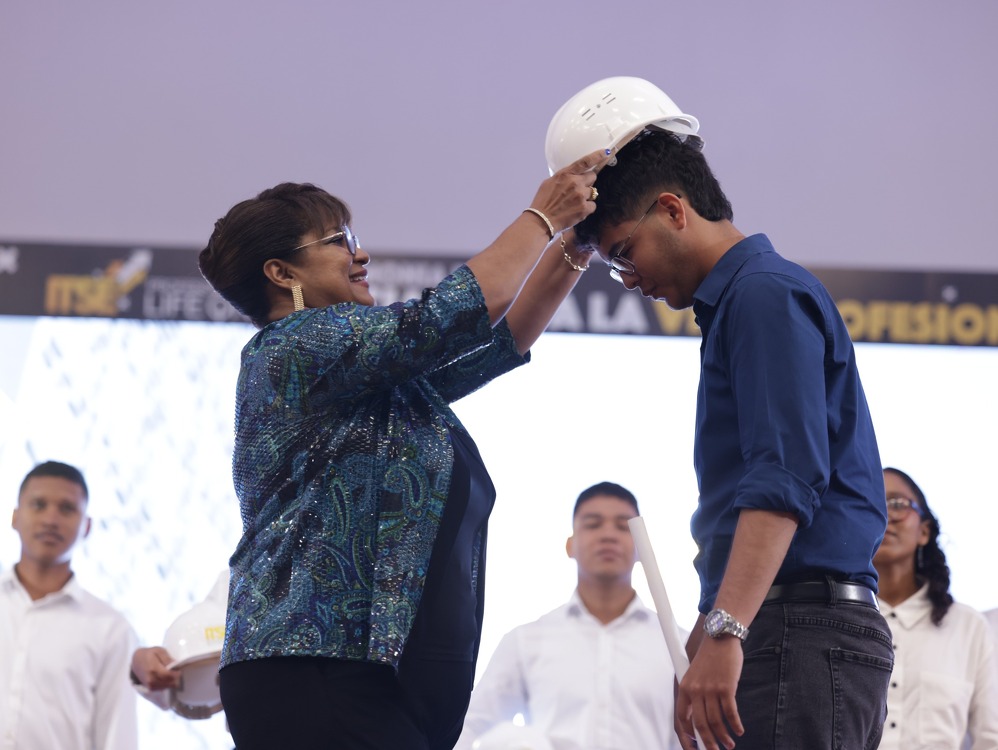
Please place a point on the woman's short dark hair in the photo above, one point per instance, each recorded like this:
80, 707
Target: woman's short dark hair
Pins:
654, 162
930, 565
271, 225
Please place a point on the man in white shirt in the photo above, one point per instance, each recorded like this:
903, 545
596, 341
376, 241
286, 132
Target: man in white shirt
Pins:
594, 674
63, 652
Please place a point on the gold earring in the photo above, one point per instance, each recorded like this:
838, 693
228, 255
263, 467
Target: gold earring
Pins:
296, 295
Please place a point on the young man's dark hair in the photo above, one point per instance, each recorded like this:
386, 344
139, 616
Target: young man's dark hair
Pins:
653, 162
606, 488
56, 469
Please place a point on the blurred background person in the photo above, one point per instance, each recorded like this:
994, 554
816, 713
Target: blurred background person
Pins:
594, 674
945, 683
63, 652
356, 593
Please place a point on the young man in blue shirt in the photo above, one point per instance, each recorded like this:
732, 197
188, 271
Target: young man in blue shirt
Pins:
790, 650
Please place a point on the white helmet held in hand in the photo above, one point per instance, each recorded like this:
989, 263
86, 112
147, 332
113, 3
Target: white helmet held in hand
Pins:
608, 114
194, 641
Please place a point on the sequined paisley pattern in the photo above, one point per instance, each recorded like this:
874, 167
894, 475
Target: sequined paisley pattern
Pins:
342, 466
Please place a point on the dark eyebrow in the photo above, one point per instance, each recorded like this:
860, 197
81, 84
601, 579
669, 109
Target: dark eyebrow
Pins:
600, 516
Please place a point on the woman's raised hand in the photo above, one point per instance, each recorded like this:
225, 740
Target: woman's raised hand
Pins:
568, 196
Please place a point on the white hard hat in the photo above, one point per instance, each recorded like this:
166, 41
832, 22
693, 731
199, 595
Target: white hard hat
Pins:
509, 736
194, 640
608, 114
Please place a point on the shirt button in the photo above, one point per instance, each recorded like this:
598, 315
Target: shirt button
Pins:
894, 615
894, 725
894, 684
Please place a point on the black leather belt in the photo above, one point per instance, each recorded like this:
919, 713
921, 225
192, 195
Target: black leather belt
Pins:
830, 592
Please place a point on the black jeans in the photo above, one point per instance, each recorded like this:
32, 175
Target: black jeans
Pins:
815, 676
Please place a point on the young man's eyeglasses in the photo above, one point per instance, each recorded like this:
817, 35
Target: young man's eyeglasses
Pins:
343, 236
899, 506
619, 265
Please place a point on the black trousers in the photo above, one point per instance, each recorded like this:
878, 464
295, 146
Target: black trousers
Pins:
314, 703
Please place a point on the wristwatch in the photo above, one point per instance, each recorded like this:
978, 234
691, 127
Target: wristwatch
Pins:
720, 623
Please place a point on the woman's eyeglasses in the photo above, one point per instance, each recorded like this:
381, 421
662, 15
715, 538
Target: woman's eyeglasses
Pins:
343, 237
899, 506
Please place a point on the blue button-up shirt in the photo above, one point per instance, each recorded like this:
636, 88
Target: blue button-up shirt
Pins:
782, 421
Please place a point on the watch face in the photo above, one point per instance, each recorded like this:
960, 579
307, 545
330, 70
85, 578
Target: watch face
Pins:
714, 623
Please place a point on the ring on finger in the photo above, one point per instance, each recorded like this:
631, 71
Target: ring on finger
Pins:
593, 193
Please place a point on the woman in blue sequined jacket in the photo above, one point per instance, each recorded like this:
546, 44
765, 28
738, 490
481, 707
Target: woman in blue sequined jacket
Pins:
355, 598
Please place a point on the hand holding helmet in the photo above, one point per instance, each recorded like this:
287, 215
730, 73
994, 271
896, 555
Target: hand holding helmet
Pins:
151, 667
195, 642
568, 196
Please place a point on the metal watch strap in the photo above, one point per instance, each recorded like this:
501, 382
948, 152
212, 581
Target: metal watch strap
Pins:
720, 622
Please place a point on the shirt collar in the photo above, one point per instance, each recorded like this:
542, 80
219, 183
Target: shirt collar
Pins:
711, 289
9, 582
911, 611
635, 609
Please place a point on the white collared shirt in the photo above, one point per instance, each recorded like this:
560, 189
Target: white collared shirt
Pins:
64, 662
583, 684
992, 617
945, 682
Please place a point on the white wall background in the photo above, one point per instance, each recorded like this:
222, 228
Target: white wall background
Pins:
855, 134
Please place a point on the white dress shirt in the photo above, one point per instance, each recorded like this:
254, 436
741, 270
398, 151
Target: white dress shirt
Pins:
583, 684
64, 662
945, 682
992, 617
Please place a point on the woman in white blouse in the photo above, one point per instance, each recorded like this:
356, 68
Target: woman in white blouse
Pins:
944, 688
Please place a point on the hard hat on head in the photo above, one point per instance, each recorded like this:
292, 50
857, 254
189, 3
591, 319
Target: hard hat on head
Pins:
194, 640
608, 114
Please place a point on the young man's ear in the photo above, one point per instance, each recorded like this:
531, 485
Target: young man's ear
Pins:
568, 547
675, 209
